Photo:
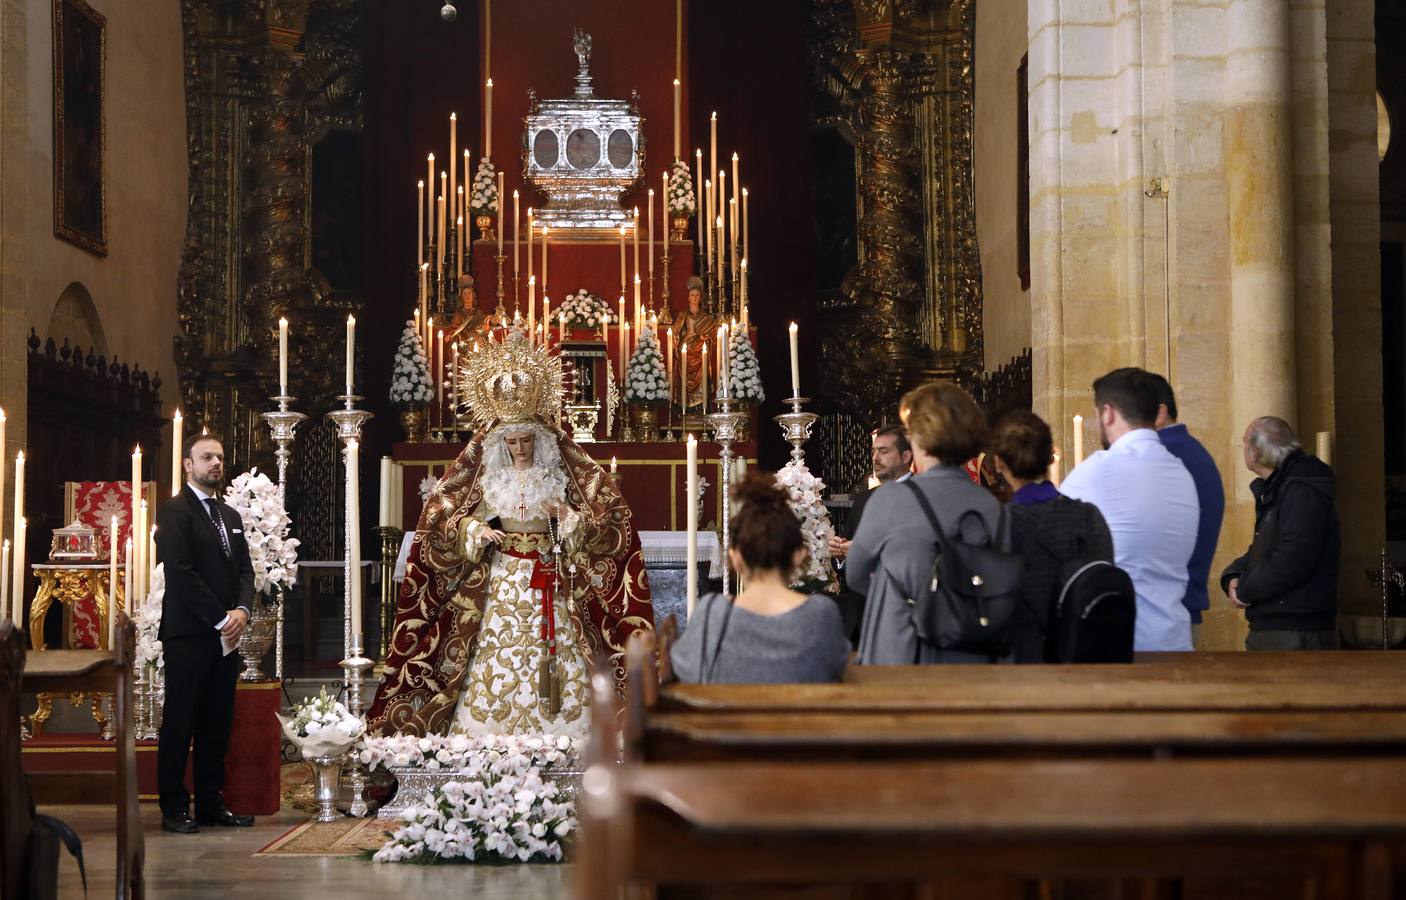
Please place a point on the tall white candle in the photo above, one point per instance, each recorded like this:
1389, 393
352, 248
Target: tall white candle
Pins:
17, 588
459, 239
112, 585
712, 152
622, 259
177, 437
468, 185
283, 357
3, 574
746, 230
150, 557
19, 485
705, 225
638, 308
705, 375
384, 516
649, 235
620, 331
722, 362
127, 576
669, 359
419, 224
530, 228
678, 129
488, 121
691, 564
546, 317
516, 233
453, 154
531, 305
439, 376
5, 609
683, 377
135, 522
698, 185
795, 363
351, 353
354, 533
637, 241
545, 236
140, 545
429, 200
501, 205
1078, 439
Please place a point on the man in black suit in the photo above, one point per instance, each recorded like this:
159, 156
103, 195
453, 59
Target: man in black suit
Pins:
209, 594
892, 458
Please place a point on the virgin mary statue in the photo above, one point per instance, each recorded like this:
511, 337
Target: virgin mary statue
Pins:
525, 571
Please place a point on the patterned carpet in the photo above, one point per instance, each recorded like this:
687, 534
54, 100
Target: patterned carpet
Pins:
345, 837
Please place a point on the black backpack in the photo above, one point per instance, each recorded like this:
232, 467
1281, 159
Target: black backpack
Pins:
974, 591
1094, 614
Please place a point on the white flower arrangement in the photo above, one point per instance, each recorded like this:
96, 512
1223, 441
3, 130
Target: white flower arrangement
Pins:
147, 618
584, 309
322, 726
483, 200
681, 197
410, 375
645, 381
272, 552
746, 371
805, 494
458, 751
508, 808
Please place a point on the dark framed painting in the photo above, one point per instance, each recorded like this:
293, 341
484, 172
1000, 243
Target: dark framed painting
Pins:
80, 60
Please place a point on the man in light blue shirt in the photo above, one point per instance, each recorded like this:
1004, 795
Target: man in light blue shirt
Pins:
1149, 500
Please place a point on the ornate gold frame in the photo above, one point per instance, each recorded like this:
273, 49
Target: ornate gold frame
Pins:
62, 229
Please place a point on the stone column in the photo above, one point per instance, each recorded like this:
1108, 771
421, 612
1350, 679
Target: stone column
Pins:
1259, 161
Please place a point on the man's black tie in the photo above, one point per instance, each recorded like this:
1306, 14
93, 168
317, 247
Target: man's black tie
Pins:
219, 524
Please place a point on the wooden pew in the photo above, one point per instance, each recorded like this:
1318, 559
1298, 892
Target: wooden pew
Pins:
64, 671
1182, 705
1330, 827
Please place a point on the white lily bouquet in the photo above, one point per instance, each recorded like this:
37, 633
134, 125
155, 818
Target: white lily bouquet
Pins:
410, 375
584, 309
272, 552
746, 381
322, 726
645, 381
681, 198
507, 808
483, 200
805, 495
147, 618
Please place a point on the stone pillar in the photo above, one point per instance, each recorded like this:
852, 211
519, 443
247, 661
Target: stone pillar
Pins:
1259, 166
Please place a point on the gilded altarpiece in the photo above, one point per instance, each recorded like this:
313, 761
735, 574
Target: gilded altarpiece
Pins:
265, 81
897, 80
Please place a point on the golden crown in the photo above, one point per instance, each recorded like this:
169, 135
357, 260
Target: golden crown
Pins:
511, 380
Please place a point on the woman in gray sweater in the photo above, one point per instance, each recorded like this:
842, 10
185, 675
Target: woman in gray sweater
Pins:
891, 557
768, 633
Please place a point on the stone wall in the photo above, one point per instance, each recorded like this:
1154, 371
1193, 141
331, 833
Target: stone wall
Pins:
1000, 43
1203, 203
132, 288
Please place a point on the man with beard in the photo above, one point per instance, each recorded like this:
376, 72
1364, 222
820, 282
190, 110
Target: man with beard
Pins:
1149, 501
209, 595
891, 457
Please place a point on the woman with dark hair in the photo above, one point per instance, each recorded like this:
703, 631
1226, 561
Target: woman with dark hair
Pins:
768, 633
1048, 529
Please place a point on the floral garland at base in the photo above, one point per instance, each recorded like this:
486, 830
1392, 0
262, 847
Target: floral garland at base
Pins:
583, 310
507, 808
805, 493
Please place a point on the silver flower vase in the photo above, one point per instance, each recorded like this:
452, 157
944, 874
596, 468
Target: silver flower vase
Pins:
258, 638
327, 773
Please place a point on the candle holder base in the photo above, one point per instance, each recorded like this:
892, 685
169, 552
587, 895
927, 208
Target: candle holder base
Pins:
356, 666
796, 426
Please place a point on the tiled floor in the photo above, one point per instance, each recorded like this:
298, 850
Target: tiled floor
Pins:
219, 863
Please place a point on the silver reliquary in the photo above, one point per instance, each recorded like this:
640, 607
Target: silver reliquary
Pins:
584, 154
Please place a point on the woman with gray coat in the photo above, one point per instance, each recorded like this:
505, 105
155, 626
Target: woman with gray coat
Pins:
891, 557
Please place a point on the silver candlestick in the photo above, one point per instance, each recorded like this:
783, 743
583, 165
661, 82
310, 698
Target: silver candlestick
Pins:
349, 421
796, 426
355, 665
726, 425
283, 428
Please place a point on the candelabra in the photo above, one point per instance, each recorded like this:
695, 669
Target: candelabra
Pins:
502, 311
725, 427
148, 699
349, 421
390, 549
796, 426
283, 427
355, 666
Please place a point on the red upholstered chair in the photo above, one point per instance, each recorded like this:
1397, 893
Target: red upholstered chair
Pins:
94, 503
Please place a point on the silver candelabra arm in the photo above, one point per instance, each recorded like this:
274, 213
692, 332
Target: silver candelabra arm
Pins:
796, 426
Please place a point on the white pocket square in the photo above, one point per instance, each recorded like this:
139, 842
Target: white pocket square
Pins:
236, 531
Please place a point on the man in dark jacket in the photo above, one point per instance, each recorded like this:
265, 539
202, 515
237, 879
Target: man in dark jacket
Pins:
209, 595
891, 458
1210, 494
1288, 581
